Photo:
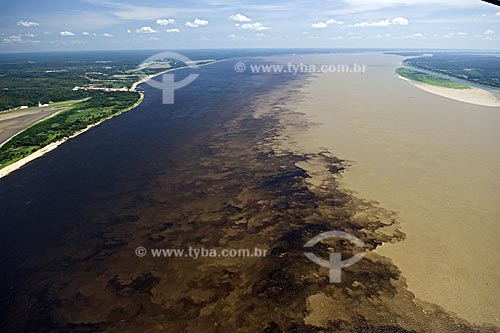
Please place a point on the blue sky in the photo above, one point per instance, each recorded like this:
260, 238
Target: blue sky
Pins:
43, 25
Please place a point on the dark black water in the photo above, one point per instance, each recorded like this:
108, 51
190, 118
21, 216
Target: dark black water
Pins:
47, 197
101, 176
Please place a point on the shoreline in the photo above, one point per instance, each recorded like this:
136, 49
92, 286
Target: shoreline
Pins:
5, 171
48, 117
323, 120
235, 191
149, 77
400, 158
473, 95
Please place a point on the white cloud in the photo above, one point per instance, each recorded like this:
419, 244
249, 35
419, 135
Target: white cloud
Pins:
462, 33
27, 24
12, 39
369, 5
383, 23
196, 23
255, 26
363, 24
29, 34
66, 33
200, 22
489, 32
417, 35
319, 25
173, 30
146, 30
239, 18
18, 39
497, 14
322, 25
129, 31
399, 21
236, 37
107, 35
141, 13
332, 21
165, 21
85, 33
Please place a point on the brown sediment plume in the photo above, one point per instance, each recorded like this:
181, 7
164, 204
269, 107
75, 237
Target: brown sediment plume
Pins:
230, 190
429, 159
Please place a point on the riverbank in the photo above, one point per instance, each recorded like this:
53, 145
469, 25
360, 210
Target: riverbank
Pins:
210, 180
149, 77
431, 160
44, 150
5, 171
471, 95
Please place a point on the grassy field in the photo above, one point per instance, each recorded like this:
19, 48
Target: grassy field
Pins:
77, 117
429, 79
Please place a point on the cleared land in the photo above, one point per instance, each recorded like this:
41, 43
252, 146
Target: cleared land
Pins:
15, 121
76, 118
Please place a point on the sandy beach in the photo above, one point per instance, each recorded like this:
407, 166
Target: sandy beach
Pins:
473, 95
433, 161
149, 77
5, 171
18, 164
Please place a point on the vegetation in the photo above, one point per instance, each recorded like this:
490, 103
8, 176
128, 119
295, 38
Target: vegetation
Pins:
429, 79
478, 68
53, 77
77, 117
29, 79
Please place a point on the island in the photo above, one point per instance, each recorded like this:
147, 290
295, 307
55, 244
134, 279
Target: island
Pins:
449, 88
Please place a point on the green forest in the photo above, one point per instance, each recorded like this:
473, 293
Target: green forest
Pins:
100, 106
483, 69
429, 79
26, 83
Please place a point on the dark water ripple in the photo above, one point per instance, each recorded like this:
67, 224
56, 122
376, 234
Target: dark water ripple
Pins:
40, 198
